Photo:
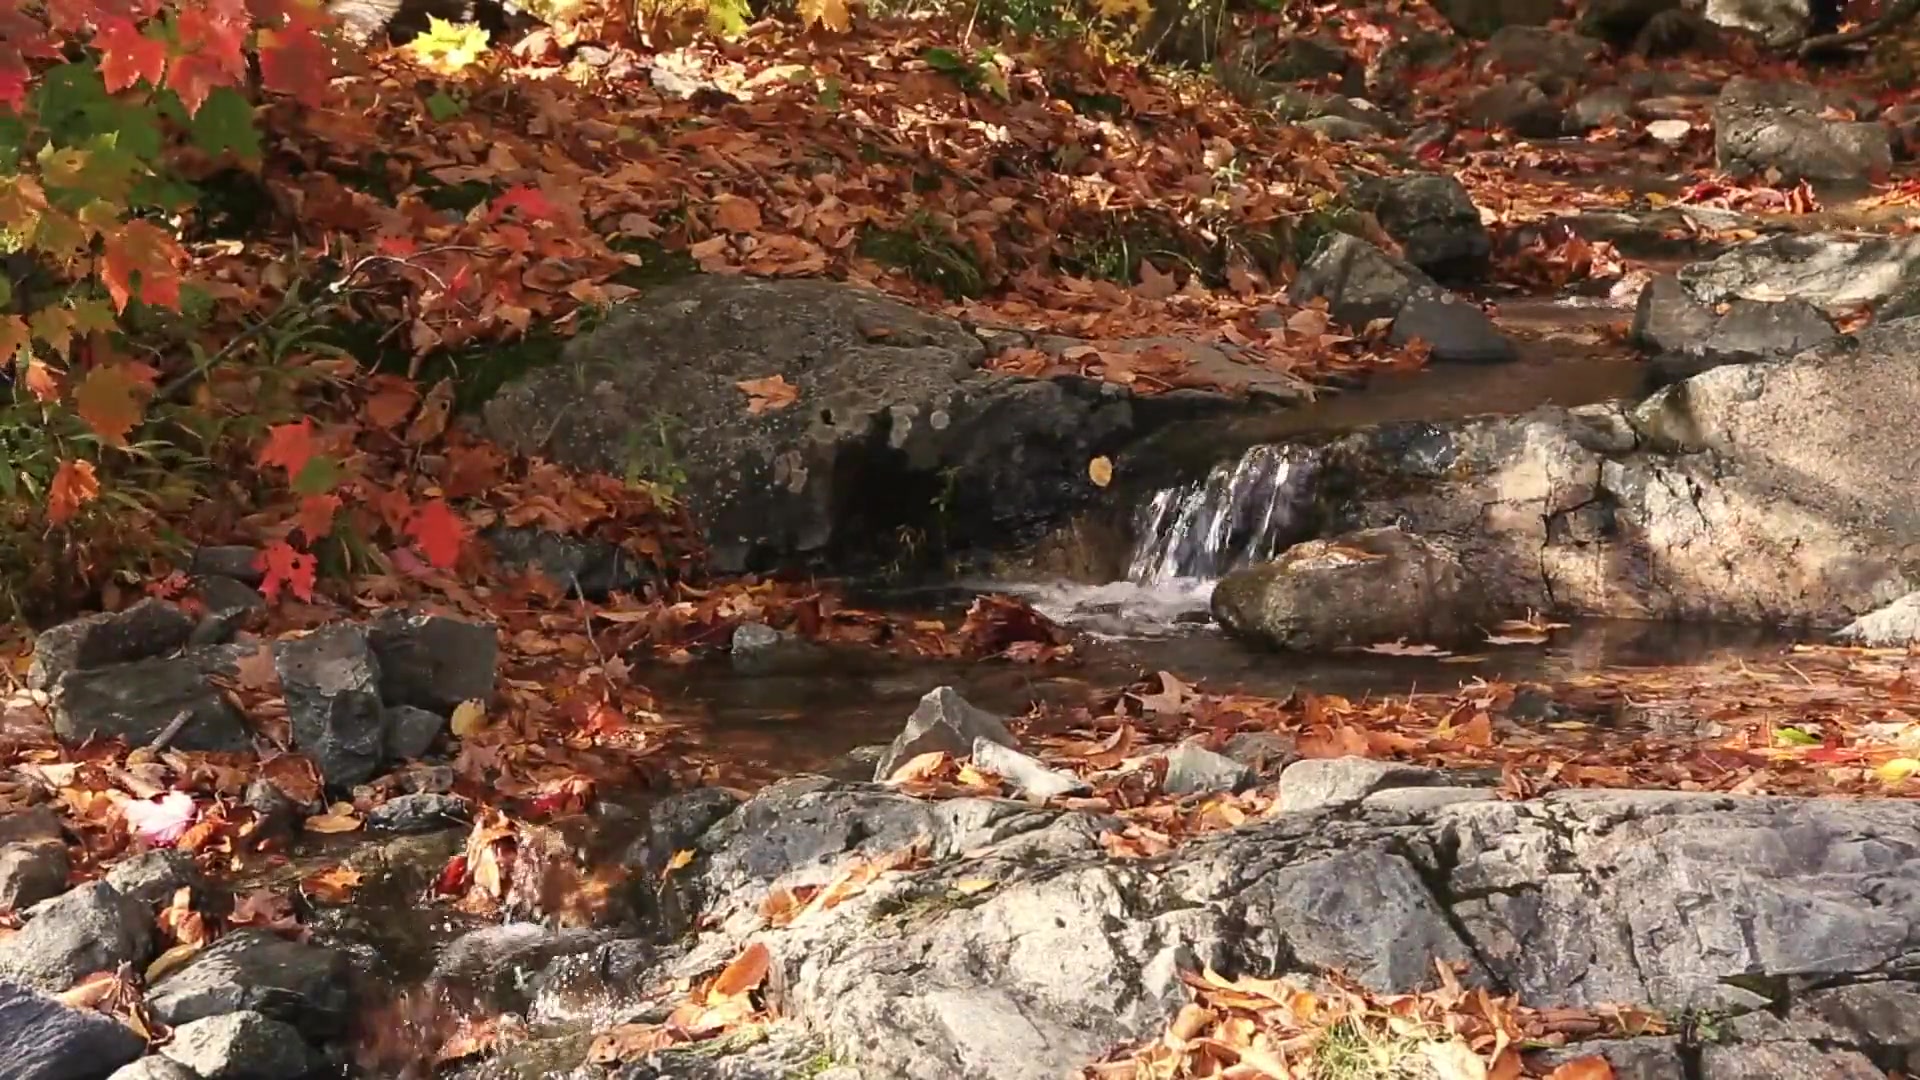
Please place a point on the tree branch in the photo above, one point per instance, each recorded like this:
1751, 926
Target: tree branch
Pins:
1898, 12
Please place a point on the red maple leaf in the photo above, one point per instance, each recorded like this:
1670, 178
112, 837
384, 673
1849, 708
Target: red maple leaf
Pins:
13, 82
287, 568
315, 516
438, 532
140, 247
294, 60
289, 446
212, 40
128, 56
529, 200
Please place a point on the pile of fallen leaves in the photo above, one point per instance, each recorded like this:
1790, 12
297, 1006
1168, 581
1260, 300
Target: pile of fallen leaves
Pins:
1280, 1029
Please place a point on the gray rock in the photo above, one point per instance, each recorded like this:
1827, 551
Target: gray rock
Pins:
495, 967
231, 605
154, 1067
241, 562
1653, 1057
434, 662
137, 701
943, 721
675, 824
31, 872
775, 1052
759, 649
151, 878
1878, 1016
858, 763
1300, 58
43, 1039
1620, 21
1360, 282
1265, 752
412, 732
1831, 271
1757, 330
87, 929
1317, 783
1776, 21
419, 812
884, 390
1028, 775
303, 985
1610, 106
596, 568
588, 985
331, 680
1520, 106
147, 629
1363, 588
1763, 126
1340, 128
1785, 1061
1891, 626
1667, 319
1556, 59
1434, 219
1193, 769
1483, 18
1457, 330
241, 1046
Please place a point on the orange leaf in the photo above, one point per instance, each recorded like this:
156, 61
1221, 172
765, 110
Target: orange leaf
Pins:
769, 394
41, 382
127, 55
74, 485
315, 517
438, 532
1586, 1068
290, 446
392, 403
747, 971
112, 399
287, 568
145, 249
14, 336
731, 213
212, 39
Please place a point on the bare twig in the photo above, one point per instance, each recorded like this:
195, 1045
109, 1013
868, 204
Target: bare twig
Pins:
172, 729
1900, 11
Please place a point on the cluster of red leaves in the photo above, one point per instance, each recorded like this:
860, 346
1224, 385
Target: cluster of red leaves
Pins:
1270, 1029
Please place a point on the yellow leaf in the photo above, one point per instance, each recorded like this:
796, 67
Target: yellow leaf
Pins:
171, 959
679, 861
1898, 769
332, 823
1100, 471
448, 47
831, 14
469, 718
972, 885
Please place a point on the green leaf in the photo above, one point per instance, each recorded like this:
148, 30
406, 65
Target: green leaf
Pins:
225, 123
319, 476
1796, 737
443, 107
830, 94
945, 60
727, 18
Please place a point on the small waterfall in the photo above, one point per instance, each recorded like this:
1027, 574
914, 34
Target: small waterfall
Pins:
1239, 513
1186, 538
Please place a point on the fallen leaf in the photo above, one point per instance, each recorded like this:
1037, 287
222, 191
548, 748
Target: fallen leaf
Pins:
469, 718
332, 823
769, 394
1100, 471
161, 821
334, 885
747, 971
1592, 1067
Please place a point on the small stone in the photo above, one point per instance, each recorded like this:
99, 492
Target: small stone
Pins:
434, 662
1670, 132
1434, 218
1193, 769
418, 813
1518, 105
237, 561
1352, 590
1607, 107
151, 878
676, 823
150, 628
943, 721
857, 764
1457, 330
1265, 752
31, 872
331, 682
241, 1046
1027, 774
1340, 128
1317, 783
428, 779
759, 649
582, 986
412, 732
495, 966
137, 701
595, 566
303, 985
275, 812
44, 1039
87, 929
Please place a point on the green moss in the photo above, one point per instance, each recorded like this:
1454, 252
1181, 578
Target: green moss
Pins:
922, 249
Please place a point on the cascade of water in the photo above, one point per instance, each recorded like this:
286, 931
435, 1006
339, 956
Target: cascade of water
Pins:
1241, 512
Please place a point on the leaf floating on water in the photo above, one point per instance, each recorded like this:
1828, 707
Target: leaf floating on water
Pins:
1401, 648
1100, 471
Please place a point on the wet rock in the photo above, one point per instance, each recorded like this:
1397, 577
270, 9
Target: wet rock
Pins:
87, 929
1668, 319
1776, 21
774, 1052
1785, 1061
1318, 783
1890, 626
1555, 59
43, 1039
1610, 106
274, 812
151, 878
420, 812
303, 985
241, 1046
1518, 105
1767, 126
31, 872
154, 1067
331, 681
1457, 330
593, 568
1483, 18
1363, 588
1028, 775
1833, 271
147, 629
1360, 282
895, 423
675, 824
943, 721
759, 649
1656, 1057
139, 700
412, 732
1619, 22
494, 967
588, 985
433, 662
1750, 330
241, 562
1435, 221
1193, 769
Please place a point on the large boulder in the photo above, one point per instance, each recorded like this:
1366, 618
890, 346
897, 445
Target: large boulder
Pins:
1763, 126
90, 928
43, 1039
1835, 271
874, 417
1363, 588
1362, 284
150, 628
138, 701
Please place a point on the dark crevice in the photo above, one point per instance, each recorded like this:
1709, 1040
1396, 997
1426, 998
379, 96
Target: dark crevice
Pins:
1445, 847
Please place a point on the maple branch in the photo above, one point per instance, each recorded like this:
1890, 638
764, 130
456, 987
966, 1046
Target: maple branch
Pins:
1900, 11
